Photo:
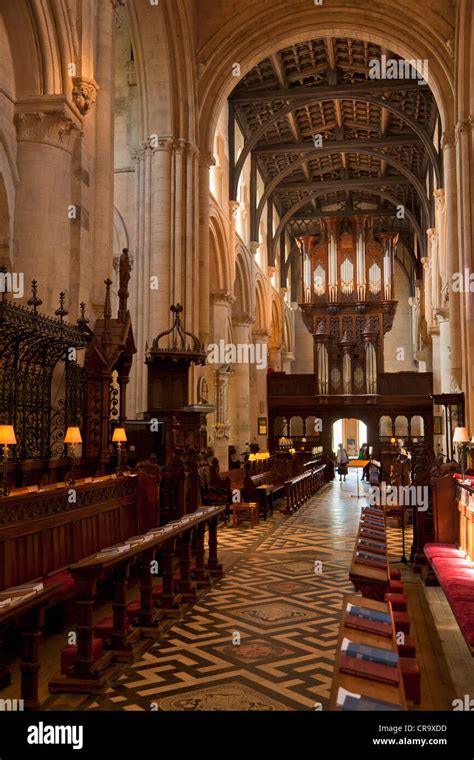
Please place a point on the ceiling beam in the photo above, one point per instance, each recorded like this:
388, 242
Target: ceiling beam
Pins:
351, 212
341, 184
254, 138
338, 145
349, 91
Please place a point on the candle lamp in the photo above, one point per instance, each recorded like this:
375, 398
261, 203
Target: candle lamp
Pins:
461, 439
119, 436
72, 438
7, 439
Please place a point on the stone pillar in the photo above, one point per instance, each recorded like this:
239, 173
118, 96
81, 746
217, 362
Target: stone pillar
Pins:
240, 389
287, 358
205, 162
259, 406
453, 259
46, 128
104, 153
465, 150
221, 416
442, 319
219, 376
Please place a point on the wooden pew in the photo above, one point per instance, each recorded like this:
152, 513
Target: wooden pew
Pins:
87, 675
27, 616
372, 582
384, 692
300, 488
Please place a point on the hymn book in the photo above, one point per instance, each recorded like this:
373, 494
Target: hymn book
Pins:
347, 700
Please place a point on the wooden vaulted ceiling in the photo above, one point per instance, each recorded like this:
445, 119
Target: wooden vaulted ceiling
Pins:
377, 136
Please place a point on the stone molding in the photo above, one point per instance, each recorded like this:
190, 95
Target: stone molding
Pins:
51, 122
464, 125
84, 93
222, 298
253, 247
243, 319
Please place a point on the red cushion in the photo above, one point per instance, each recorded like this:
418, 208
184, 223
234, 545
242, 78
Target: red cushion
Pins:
63, 577
69, 654
448, 551
395, 574
104, 628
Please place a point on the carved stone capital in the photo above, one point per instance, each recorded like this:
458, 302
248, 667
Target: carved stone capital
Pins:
440, 197
253, 247
244, 319
51, 122
84, 93
425, 260
207, 159
464, 125
271, 271
448, 139
441, 315
233, 208
261, 335
222, 297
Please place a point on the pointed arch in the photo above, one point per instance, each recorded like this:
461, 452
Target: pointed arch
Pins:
219, 255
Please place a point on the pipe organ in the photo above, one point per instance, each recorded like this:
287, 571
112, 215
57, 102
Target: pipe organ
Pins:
348, 302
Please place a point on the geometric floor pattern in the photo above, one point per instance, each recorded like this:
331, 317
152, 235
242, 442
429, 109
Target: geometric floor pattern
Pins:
264, 637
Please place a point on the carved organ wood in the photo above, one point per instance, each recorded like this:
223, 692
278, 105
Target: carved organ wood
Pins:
347, 303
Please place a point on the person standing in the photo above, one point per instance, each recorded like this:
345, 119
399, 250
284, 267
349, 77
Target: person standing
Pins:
342, 459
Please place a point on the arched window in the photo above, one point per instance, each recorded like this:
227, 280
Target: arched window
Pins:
401, 426
385, 427
417, 426
296, 426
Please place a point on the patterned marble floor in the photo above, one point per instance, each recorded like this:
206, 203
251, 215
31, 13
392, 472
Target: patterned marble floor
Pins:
264, 637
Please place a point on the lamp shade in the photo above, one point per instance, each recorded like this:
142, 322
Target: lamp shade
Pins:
119, 435
460, 435
73, 435
7, 435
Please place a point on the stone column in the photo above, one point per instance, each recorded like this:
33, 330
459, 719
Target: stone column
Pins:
46, 128
221, 417
287, 358
205, 162
427, 262
104, 152
442, 320
240, 388
259, 406
449, 155
219, 376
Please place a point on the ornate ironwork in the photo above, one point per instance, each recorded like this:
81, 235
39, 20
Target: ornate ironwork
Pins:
31, 346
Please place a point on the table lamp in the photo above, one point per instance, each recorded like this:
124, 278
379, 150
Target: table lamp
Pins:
7, 438
461, 438
72, 437
119, 436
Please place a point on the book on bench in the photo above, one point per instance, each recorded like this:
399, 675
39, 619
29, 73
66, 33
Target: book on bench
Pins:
373, 560
110, 551
373, 511
380, 549
370, 626
374, 535
368, 669
367, 614
21, 591
348, 700
372, 654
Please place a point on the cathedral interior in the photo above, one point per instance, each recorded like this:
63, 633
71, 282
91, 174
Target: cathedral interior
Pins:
236, 361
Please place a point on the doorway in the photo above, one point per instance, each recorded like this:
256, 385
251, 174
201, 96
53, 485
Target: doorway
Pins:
351, 432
